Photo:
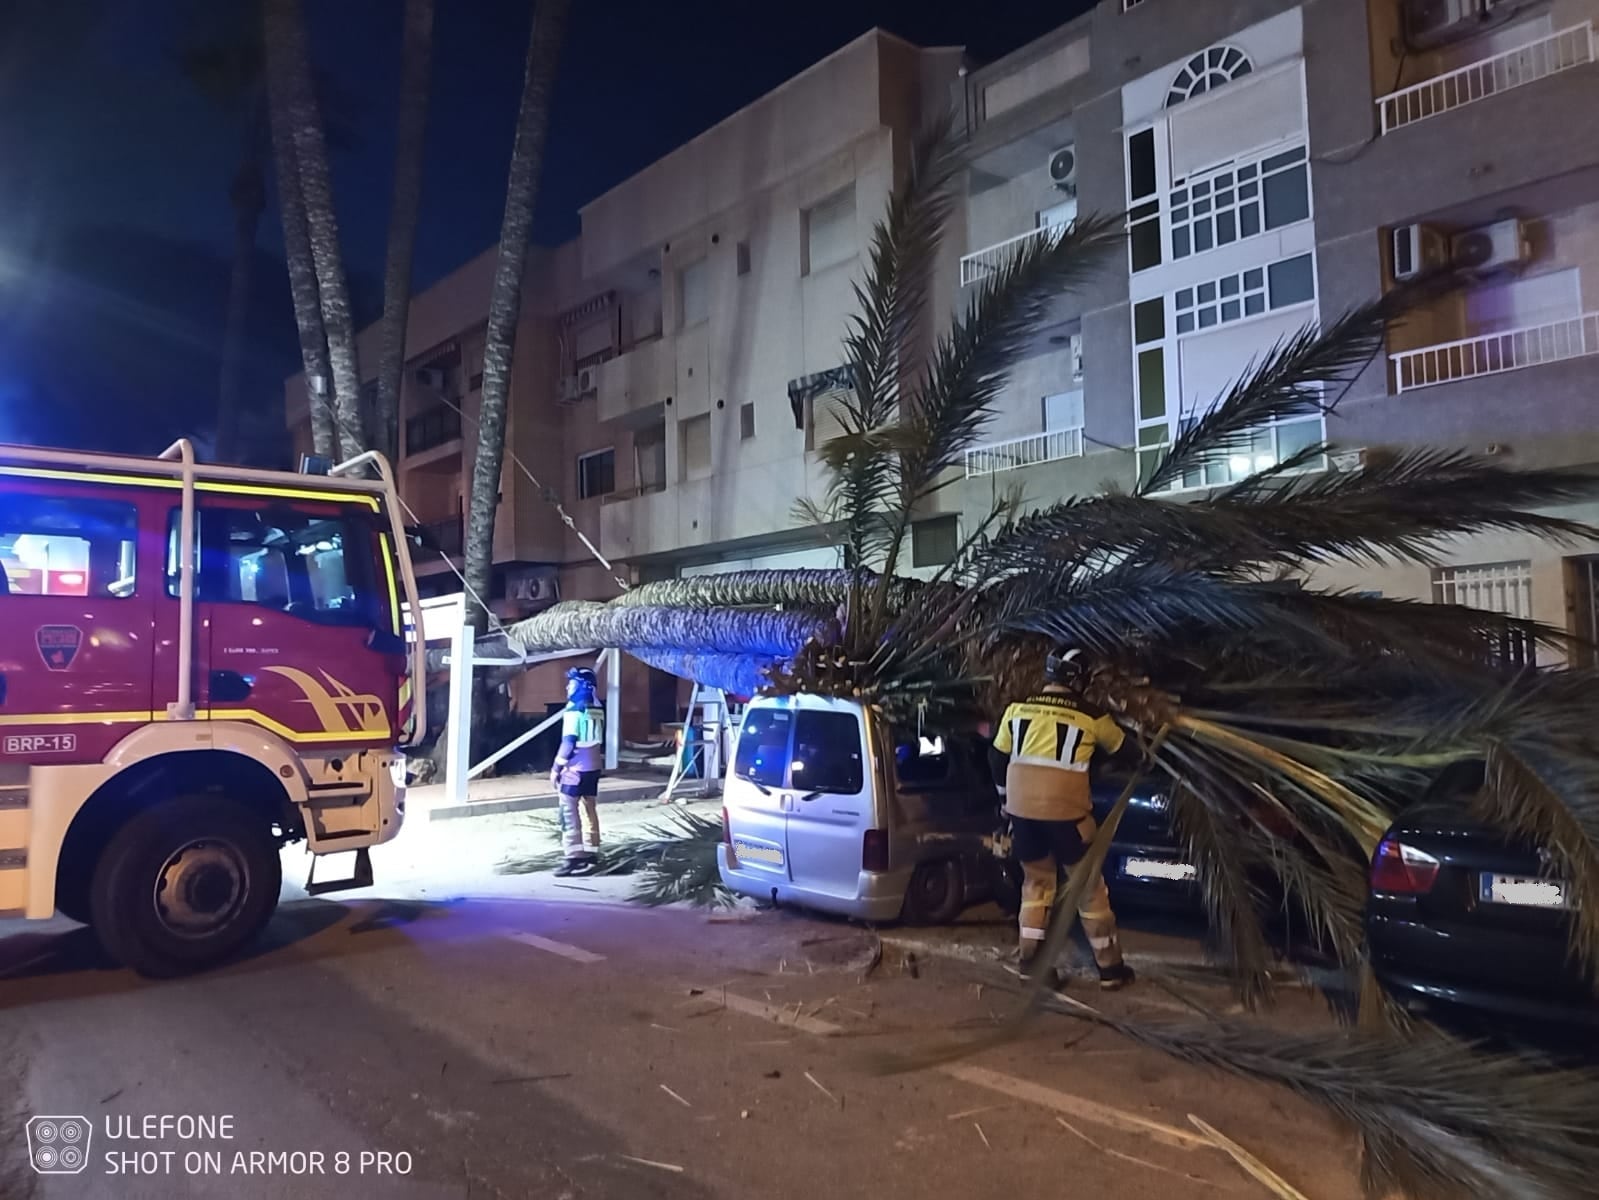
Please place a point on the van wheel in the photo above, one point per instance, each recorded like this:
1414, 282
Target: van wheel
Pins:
937, 893
183, 884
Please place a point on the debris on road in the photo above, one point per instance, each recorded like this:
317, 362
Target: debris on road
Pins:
982, 1135
650, 1162
823, 1090
971, 1112
533, 1078
1132, 1158
1259, 1170
675, 1096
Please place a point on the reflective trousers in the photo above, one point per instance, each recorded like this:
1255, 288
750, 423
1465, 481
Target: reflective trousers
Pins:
1039, 880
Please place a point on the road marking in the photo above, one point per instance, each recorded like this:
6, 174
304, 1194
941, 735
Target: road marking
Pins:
1076, 1106
575, 953
995, 1081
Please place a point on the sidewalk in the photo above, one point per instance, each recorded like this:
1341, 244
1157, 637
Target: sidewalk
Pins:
526, 793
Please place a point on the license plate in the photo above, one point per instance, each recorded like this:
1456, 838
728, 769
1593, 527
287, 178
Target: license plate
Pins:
767, 856
1525, 892
1158, 868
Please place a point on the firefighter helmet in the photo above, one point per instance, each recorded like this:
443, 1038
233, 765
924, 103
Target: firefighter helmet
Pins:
1064, 666
581, 684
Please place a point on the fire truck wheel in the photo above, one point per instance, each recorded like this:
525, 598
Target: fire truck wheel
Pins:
183, 884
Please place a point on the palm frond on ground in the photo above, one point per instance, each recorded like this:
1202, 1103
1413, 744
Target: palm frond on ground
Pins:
1440, 1118
674, 859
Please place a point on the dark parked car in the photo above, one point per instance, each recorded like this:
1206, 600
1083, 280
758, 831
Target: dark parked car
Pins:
1459, 915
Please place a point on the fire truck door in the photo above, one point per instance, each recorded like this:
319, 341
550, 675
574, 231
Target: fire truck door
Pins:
300, 621
76, 619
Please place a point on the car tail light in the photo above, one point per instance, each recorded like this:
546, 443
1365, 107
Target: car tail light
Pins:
874, 850
1403, 870
727, 840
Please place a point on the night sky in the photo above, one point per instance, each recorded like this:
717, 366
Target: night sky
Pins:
115, 229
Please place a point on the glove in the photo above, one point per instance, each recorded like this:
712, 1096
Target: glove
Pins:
555, 776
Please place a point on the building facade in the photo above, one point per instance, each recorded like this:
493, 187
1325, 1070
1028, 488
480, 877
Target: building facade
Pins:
1281, 163
1278, 163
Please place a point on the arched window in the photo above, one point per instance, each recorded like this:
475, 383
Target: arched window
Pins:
1206, 70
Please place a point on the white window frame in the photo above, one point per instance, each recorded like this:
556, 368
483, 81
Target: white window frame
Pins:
582, 488
808, 263
683, 319
1229, 174
1244, 290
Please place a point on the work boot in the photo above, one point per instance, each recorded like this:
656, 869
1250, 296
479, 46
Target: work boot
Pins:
585, 864
569, 866
1113, 979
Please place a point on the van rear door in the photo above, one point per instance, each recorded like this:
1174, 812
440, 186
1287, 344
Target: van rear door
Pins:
757, 804
829, 796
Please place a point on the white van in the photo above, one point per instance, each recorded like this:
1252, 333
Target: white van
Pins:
828, 807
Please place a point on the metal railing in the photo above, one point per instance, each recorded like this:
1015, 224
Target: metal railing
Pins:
432, 428
1489, 76
1049, 446
978, 263
1494, 353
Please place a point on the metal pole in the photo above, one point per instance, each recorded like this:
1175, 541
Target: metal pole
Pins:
458, 734
613, 708
515, 743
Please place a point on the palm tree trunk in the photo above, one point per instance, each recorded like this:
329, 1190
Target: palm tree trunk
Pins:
505, 301
415, 69
286, 43
297, 255
248, 195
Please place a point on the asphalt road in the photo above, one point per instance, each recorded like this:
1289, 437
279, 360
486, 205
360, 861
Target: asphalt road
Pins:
511, 1040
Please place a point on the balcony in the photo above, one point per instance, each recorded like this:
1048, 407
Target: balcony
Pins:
981, 263
641, 376
1496, 353
445, 537
1489, 76
432, 429
1050, 446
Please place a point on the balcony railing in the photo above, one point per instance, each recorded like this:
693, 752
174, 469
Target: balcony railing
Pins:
1494, 353
432, 428
1049, 446
1489, 76
978, 263
445, 537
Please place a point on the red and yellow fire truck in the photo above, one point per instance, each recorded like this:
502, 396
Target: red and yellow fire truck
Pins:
198, 665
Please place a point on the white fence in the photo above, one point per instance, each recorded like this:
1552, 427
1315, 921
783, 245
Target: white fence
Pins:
1026, 451
978, 263
1494, 353
1499, 73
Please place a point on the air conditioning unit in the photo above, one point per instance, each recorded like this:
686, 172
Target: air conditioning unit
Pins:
1063, 169
533, 587
588, 380
1430, 23
431, 378
1418, 249
1488, 250
567, 391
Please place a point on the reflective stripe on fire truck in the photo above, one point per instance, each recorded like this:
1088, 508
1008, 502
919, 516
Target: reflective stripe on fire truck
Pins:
238, 489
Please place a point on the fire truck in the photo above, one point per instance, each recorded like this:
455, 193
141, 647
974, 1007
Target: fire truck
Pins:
198, 665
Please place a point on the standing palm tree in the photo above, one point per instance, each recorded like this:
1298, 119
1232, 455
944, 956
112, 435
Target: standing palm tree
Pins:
505, 301
296, 112
415, 71
1288, 724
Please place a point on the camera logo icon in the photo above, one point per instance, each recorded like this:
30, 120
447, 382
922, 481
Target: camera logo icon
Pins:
58, 1145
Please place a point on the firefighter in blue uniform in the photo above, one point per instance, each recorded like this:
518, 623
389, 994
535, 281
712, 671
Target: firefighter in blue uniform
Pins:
1042, 755
576, 773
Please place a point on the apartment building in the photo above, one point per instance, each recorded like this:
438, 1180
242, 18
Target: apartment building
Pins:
674, 362
1281, 163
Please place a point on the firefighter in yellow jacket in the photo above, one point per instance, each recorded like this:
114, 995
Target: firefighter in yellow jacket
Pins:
1042, 756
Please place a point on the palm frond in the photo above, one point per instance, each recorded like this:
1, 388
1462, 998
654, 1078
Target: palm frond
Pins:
1453, 1119
674, 858
1286, 381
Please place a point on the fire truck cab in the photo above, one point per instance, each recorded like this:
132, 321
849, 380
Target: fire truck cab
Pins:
198, 665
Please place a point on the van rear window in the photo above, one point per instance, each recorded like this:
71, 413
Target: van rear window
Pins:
763, 746
827, 753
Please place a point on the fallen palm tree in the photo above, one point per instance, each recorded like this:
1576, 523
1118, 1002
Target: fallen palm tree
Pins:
1288, 724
